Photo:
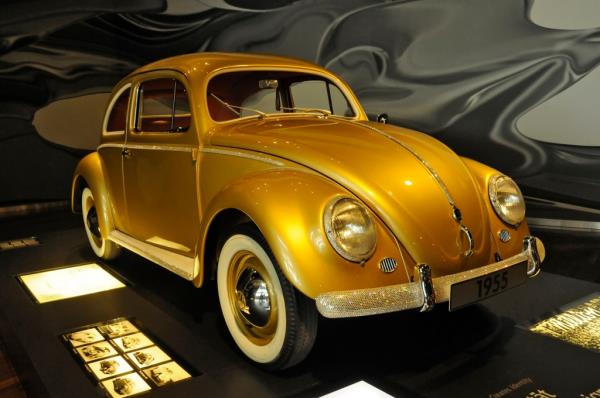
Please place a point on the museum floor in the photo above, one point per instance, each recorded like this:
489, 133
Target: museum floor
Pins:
10, 385
485, 350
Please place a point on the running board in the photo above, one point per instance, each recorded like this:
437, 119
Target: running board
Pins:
176, 263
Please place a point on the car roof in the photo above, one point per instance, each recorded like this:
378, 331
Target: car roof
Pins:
206, 62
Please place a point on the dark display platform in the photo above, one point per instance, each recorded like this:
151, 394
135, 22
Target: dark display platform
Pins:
482, 351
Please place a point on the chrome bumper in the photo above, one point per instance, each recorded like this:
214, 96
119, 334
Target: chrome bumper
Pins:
423, 293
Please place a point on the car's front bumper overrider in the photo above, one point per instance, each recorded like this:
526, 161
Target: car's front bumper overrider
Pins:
423, 293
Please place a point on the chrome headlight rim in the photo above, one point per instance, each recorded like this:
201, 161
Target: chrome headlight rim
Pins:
493, 195
330, 230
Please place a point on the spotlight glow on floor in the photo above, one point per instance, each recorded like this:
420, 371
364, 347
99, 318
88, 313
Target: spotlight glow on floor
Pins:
361, 389
68, 282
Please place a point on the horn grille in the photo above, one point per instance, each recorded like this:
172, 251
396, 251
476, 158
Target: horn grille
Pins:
388, 265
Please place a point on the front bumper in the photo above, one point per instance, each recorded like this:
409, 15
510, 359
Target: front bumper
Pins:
423, 293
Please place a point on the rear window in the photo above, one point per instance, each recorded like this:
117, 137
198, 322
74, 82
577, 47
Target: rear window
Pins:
118, 113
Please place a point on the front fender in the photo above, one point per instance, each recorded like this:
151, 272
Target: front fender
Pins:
287, 206
482, 175
89, 172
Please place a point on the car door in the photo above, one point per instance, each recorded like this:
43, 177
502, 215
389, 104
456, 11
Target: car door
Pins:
159, 165
113, 138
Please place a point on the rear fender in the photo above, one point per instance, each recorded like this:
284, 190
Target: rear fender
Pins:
89, 172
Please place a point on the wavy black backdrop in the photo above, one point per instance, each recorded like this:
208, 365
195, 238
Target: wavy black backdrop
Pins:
498, 81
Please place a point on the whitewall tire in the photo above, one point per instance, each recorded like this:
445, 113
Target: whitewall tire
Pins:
102, 247
272, 324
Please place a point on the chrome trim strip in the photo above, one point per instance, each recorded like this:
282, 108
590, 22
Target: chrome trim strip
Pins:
242, 155
110, 145
176, 263
151, 147
411, 295
422, 160
190, 149
569, 225
456, 214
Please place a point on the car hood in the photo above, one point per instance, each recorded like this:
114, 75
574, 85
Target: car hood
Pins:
384, 166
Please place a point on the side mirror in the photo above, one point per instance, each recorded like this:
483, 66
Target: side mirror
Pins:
382, 118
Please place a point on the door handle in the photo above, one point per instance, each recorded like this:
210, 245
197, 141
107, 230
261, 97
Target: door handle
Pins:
126, 153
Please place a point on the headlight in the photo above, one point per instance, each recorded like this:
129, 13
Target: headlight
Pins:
507, 199
350, 229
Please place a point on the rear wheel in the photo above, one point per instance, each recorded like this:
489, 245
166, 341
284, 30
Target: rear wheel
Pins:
270, 321
104, 248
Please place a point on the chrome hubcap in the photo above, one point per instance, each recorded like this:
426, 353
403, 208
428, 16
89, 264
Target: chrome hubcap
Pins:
251, 298
92, 222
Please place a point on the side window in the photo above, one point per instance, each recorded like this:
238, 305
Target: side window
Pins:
118, 113
339, 102
163, 106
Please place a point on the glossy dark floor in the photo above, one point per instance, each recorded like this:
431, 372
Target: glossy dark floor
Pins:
10, 385
477, 351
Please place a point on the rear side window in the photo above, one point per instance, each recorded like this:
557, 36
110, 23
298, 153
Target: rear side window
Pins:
163, 106
118, 113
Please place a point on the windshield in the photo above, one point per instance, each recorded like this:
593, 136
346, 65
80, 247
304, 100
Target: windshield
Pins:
239, 94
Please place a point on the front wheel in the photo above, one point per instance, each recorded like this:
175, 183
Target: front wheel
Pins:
270, 321
104, 248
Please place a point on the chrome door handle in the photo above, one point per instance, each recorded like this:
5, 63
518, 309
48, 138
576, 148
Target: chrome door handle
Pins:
126, 153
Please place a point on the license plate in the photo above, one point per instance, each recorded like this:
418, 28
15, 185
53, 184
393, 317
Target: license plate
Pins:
477, 289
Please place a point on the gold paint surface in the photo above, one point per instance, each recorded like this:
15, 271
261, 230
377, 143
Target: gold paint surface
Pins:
281, 172
579, 325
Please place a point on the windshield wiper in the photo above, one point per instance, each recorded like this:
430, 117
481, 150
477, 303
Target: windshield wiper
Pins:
323, 112
234, 108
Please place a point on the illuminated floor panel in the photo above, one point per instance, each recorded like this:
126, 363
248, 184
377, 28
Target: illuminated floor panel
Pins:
68, 282
579, 325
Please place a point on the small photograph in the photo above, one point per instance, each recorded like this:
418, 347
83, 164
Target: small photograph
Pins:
126, 385
148, 357
94, 351
109, 367
83, 337
169, 372
133, 342
119, 328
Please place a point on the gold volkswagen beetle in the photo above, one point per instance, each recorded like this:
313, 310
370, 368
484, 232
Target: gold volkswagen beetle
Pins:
265, 174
